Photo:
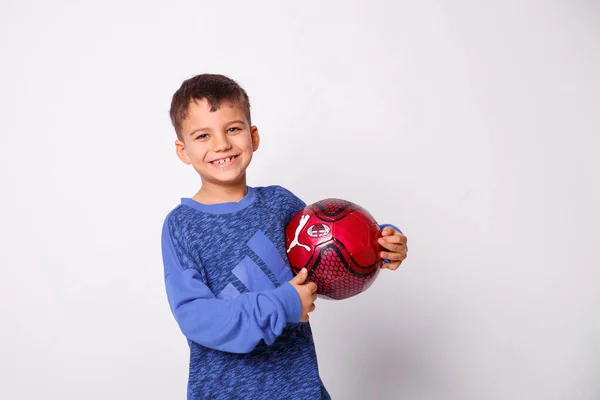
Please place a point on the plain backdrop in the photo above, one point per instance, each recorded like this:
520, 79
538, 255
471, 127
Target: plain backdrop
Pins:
472, 125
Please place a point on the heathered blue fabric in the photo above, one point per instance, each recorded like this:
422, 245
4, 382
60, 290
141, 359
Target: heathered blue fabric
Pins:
226, 276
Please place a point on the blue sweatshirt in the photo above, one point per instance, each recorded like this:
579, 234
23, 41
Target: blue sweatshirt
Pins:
227, 281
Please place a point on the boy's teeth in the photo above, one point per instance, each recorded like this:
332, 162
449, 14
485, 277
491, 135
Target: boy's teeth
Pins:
222, 161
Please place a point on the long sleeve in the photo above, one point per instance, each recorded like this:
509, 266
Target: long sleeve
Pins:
235, 325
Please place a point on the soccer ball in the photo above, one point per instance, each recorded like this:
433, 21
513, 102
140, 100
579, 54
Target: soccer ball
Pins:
336, 241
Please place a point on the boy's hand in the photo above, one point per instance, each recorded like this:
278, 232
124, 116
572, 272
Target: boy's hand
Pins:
307, 293
395, 242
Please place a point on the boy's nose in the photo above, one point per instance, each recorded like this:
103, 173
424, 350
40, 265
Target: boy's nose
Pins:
221, 143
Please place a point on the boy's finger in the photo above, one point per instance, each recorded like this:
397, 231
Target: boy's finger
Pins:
394, 239
392, 256
312, 286
391, 266
397, 248
300, 277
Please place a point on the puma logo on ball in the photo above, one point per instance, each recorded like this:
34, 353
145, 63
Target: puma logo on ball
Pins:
295, 242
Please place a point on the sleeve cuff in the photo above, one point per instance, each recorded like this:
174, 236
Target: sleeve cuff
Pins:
290, 300
391, 226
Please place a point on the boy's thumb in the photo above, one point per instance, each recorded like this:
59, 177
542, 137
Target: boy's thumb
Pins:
300, 278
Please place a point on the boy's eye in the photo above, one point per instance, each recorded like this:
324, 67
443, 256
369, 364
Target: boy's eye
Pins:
233, 129
202, 136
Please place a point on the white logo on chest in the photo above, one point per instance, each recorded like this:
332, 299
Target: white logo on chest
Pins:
295, 242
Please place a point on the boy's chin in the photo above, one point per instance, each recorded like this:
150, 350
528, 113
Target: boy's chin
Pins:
224, 182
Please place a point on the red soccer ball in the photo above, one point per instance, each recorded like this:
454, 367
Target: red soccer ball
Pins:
336, 241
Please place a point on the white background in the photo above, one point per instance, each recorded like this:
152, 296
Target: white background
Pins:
471, 125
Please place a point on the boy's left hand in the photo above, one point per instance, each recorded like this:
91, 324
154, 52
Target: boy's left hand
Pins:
395, 242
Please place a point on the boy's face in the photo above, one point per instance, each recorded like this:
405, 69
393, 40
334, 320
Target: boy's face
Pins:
218, 144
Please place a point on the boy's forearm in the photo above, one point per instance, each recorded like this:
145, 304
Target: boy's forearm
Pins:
235, 325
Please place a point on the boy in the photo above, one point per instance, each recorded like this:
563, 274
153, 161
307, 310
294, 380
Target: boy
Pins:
227, 277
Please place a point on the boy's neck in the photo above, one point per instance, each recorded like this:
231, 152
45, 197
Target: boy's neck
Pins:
217, 194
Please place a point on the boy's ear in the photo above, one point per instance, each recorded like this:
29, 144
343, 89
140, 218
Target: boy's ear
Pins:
182, 152
255, 137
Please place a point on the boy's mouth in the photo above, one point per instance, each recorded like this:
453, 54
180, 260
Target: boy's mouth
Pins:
223, 160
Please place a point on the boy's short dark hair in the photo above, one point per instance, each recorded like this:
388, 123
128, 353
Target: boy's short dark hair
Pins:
212, 87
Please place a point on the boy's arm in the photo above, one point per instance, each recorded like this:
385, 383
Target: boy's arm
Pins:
235, 325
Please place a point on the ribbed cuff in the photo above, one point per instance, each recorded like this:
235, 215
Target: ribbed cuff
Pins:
288, 295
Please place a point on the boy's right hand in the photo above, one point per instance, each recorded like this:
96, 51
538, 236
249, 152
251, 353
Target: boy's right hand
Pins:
307, 293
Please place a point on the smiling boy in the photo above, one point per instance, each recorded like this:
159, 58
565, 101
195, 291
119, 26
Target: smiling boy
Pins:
227, 277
